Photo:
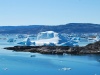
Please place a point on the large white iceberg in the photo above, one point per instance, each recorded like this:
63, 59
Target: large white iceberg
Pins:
49, 38
46, 38
47, 35
52, 38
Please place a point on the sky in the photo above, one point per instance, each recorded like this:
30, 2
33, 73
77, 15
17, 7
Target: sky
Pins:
49, 12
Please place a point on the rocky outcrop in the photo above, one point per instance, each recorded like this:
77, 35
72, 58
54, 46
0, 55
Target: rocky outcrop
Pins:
89, 49
41, 49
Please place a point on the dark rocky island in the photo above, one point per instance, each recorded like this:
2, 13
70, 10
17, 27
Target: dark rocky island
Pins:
93, 48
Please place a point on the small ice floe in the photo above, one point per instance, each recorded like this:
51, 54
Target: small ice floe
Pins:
5, 68
65, 69
95, 74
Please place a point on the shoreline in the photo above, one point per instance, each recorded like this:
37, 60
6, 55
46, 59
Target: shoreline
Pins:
88, 49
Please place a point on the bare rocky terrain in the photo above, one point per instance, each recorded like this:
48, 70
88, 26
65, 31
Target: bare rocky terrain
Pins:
93, 48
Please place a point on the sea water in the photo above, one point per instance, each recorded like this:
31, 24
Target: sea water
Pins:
21, 63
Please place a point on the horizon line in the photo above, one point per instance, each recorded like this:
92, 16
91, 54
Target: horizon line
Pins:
50, 24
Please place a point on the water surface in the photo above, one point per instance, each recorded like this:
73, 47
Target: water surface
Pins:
20, 63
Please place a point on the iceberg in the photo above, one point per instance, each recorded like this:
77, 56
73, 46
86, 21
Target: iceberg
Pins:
26, 42
48, 38
11, 40
51, 38
46, 35
21, 36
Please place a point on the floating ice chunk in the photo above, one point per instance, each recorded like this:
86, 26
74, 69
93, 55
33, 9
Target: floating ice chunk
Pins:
65, 69
21, 36
11, 40
5, 69
26, 42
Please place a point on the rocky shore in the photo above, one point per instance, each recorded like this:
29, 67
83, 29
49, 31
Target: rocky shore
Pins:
93, 48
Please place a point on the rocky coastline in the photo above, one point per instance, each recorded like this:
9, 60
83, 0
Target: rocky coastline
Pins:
93, 48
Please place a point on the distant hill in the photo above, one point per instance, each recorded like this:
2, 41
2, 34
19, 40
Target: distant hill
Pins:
67, 28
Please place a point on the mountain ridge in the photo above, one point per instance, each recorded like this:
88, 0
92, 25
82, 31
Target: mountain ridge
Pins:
65, 28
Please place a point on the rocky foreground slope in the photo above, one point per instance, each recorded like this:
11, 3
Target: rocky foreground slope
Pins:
89, 49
